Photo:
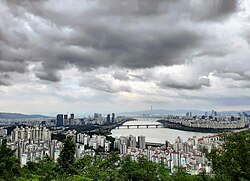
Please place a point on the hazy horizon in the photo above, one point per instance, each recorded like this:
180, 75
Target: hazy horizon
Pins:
128, 113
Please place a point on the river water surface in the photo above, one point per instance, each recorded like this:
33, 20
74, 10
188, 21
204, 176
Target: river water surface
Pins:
152, 134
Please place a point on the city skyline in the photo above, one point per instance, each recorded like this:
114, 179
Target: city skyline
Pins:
112, 56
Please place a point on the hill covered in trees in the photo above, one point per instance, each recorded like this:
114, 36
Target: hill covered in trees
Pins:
230, 162
4, 115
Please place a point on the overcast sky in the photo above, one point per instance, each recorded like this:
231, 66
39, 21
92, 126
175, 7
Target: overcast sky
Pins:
116, 56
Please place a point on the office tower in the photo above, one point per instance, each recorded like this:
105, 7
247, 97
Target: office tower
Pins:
59, 120
96, 115
72, 119
72, 116
65, 118
108, 119
141, 142
113, 118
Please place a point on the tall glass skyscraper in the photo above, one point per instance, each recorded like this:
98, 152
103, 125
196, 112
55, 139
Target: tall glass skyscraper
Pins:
59, 120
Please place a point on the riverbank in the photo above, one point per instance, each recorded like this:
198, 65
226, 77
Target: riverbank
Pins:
98, 129
178, 126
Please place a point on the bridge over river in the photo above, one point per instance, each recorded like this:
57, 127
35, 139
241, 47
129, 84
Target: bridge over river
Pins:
141, 123
140, 126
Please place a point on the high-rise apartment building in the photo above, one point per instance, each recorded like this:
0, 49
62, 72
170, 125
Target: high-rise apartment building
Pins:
141, 142
37, 133
132, 141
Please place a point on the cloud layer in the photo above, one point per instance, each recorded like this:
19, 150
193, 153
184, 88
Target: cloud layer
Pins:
140, 51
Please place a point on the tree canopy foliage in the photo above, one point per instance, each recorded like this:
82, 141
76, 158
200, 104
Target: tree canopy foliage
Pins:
232, 160
66, 158
9, 164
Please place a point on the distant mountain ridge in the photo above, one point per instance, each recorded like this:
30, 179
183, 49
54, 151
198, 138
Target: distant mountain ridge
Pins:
177, 112
4, 115
161, 112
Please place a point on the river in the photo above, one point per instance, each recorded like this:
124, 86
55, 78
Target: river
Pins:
154, 135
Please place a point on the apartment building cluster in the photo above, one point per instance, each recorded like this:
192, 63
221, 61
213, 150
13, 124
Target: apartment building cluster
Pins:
123, 143
95, 141
214, 124
212, 121
192, 161
33, 143
36, 133
187, 154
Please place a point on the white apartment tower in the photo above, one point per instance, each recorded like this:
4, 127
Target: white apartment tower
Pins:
141, 142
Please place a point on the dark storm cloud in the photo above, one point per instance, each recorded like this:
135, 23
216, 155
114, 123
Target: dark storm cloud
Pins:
132, 49
12, 66
92, 34
49, 76
214, 9
199, 9
181, 84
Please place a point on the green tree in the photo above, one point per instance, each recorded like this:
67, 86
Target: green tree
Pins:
99, 168
66, 158
9, 164
232, 160
142, 169
45, 169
